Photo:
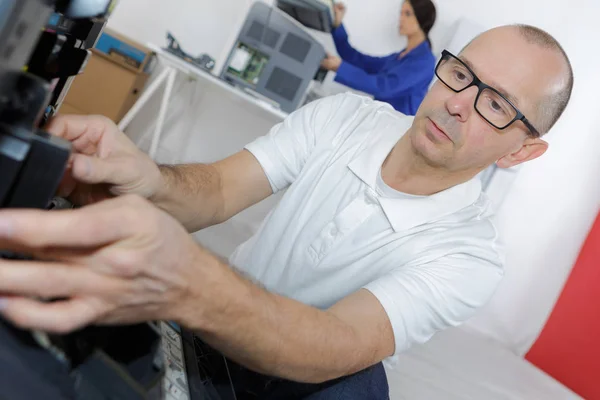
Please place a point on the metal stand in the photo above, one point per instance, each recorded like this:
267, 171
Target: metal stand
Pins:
168, 74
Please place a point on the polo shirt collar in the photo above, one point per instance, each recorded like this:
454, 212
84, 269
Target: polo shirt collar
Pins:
410, 211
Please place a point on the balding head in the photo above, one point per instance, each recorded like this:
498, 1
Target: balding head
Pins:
554, 68
452, 130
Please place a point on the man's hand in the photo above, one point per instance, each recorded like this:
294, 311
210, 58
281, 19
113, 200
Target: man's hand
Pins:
340, 11
331, 63
124, 261
105, 163
115, 262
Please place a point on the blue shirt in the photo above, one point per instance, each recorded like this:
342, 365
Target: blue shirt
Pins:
402, 82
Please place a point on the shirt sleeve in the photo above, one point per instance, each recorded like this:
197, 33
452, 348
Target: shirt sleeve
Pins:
393, 82
349, 54
284, 151
424, 299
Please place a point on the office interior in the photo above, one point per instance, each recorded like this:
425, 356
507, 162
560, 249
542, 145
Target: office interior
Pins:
196, 80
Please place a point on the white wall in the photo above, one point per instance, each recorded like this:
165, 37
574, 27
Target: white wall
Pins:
201, 26
206, 26
551, 205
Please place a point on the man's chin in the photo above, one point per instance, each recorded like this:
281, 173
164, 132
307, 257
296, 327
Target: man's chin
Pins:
431, 151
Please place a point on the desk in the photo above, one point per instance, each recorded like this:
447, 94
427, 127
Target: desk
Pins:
174, 66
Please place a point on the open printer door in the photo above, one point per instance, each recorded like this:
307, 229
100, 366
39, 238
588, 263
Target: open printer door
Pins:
314, 14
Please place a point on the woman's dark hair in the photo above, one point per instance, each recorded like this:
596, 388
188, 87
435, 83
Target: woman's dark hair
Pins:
425, 13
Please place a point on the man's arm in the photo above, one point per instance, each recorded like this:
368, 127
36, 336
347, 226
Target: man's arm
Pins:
278, 336
201, 195
124, 261
106, 163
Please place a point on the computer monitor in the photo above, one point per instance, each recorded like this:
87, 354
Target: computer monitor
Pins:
274, 57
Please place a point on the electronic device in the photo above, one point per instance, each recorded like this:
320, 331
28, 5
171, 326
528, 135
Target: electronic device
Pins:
273, 58
314, 14
203, 61
41, 51
193, 370
44, 44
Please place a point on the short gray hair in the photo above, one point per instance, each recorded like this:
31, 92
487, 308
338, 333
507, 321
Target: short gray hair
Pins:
553, 106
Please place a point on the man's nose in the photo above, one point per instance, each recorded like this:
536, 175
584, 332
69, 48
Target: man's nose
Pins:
461, 105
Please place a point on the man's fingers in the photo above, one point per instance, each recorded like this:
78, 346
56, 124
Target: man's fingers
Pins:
67, 185
69, 127
48, 280
92, 226
92, 170
28, 278
55, 317
87, 133
94, 140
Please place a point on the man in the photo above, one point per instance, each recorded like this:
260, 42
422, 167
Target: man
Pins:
382, 239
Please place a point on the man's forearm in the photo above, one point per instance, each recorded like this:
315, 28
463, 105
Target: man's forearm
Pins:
191, 193
272, 334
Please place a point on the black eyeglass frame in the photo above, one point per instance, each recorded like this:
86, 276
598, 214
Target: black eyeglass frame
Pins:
481, 86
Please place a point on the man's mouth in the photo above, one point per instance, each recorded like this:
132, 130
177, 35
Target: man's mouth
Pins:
435, 130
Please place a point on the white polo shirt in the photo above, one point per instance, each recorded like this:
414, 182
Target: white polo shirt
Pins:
430, 260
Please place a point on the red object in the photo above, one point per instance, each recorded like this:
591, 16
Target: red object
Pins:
568, 348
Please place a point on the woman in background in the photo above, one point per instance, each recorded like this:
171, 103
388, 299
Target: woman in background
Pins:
401, 79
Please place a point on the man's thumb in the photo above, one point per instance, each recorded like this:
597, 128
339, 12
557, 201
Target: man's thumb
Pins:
94, 170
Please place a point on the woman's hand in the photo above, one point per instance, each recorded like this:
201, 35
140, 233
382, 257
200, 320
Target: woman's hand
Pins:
331, 63
339, 11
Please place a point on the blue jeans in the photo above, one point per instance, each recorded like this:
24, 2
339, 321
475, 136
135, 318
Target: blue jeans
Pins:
369, 384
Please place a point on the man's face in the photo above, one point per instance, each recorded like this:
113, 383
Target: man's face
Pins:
448, 132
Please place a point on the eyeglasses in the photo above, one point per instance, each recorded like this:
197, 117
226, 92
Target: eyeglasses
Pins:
489, 103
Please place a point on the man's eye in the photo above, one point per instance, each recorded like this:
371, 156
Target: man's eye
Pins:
459, 75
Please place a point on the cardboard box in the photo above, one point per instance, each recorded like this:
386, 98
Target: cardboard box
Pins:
112, 80
125, 51
69, 109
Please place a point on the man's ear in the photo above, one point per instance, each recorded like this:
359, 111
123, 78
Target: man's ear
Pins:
532, 148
